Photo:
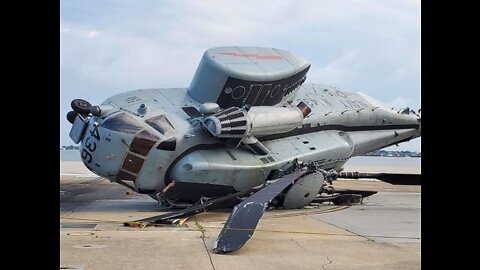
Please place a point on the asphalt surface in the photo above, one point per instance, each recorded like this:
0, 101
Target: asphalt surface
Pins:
382, 233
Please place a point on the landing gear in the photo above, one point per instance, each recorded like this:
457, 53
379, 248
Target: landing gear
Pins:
347, 199
81, 106
71, 116
162, 202
307, 193
153, 196
340, 196
339, 199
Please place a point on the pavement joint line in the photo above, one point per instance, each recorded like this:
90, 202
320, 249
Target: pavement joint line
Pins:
306, 213
354, 234
372, 236
298, 244
202, 230
311, 234
320, 210
279, 231
329, 262
368, 237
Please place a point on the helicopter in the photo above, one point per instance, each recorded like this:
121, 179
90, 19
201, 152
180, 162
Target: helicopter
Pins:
247, 133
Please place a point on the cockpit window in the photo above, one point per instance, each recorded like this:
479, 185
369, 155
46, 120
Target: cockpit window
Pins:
122, 122
161, 124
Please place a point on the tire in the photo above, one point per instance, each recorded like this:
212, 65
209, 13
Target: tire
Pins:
71, 116
81, 106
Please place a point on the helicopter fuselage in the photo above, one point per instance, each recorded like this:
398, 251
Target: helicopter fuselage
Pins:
153, 137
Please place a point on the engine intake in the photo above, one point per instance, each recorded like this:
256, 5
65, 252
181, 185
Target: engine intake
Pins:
255, 121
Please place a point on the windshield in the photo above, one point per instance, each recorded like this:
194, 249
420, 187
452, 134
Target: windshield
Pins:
161, 124
122, 122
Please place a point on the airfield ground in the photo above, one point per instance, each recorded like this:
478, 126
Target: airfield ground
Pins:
382, 233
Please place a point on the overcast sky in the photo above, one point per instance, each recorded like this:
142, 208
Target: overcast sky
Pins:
112, 46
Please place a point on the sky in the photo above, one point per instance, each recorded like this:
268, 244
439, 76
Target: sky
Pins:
112, 46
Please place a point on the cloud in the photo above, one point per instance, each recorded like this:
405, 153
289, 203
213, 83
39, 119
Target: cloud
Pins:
340, 69
399, 103
90, 34
400, 72
79, 32
108, 46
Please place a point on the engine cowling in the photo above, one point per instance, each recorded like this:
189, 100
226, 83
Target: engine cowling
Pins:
303, 191
255, 121
237, 76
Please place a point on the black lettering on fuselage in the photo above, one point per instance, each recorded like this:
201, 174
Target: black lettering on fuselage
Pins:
353, 104
258, 93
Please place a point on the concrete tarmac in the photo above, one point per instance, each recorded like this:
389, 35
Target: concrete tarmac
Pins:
381, 233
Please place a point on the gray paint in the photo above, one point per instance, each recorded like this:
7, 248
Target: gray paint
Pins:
343, 112
218, 64
303, 191
341, 124
330, 146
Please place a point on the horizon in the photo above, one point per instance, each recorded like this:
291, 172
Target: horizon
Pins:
109, 47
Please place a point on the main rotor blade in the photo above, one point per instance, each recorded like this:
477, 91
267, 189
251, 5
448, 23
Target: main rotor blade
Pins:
364, 193
244, 218
392, 178
193, 210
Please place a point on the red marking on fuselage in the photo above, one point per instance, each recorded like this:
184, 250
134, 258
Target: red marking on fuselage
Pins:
259, 57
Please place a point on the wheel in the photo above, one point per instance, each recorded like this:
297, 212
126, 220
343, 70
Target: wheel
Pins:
71, 116
81, 106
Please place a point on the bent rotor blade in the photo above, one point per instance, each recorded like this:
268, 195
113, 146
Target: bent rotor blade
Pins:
244, 218
400, 179
392, 178
193, 210
363, 193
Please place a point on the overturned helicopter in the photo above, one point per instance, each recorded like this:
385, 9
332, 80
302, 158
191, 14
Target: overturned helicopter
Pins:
247, 132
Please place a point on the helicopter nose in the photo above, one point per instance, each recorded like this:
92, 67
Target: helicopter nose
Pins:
90, 146
102, 151
419, 130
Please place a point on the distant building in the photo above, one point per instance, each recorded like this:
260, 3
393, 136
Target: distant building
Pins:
383, 153
70, 147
